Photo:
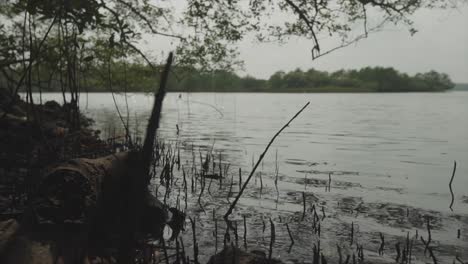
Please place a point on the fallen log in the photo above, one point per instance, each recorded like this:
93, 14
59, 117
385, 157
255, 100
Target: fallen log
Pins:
78, 210
89, 192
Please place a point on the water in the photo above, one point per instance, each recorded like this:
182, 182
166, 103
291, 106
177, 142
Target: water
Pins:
387, 155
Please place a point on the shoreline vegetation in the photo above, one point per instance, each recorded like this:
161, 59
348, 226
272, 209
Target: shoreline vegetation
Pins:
136, 77
67, 195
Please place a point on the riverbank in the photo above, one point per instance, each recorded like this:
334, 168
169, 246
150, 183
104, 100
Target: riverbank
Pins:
61, 194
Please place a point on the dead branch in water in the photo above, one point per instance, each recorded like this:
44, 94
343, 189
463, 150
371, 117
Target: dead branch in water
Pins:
138, 183
258, 162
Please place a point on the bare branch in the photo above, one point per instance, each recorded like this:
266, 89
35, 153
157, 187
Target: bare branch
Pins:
260, 160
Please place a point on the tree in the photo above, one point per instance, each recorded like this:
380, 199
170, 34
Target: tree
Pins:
56, 42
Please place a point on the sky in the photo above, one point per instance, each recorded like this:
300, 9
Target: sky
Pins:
440, 44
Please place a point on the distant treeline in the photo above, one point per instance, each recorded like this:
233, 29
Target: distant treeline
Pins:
136, 77
369, 79
461, 87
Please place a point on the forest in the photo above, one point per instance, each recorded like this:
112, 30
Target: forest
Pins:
138, 77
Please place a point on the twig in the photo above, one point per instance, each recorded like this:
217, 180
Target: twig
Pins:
195, 244
290, 235
382, 244
240, 178
258, 162
272, 239
434, 260
276, 174
429, 237
450, 184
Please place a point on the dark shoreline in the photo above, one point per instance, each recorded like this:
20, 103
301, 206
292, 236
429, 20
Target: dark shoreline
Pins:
260, 92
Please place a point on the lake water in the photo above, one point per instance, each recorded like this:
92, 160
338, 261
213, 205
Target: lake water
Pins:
389, 156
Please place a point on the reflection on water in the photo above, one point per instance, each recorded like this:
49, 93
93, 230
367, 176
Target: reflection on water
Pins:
389, 157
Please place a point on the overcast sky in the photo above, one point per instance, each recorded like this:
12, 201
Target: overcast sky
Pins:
441, 44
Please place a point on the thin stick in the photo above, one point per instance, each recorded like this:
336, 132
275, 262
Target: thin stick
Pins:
195, 244
290, 235
429, 237
276, 173
258, 162
450, 184
240, 178
272, 239
434, 260
382, 244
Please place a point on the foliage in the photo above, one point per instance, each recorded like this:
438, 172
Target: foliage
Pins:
79, 44
139, 77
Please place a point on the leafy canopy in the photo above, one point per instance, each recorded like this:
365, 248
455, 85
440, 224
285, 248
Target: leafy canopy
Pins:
205, 30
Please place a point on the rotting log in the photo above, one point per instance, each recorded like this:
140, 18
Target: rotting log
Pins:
70, 192
77, 211
89, 192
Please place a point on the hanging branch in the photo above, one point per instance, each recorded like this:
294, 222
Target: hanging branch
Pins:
258, 162
310, 25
